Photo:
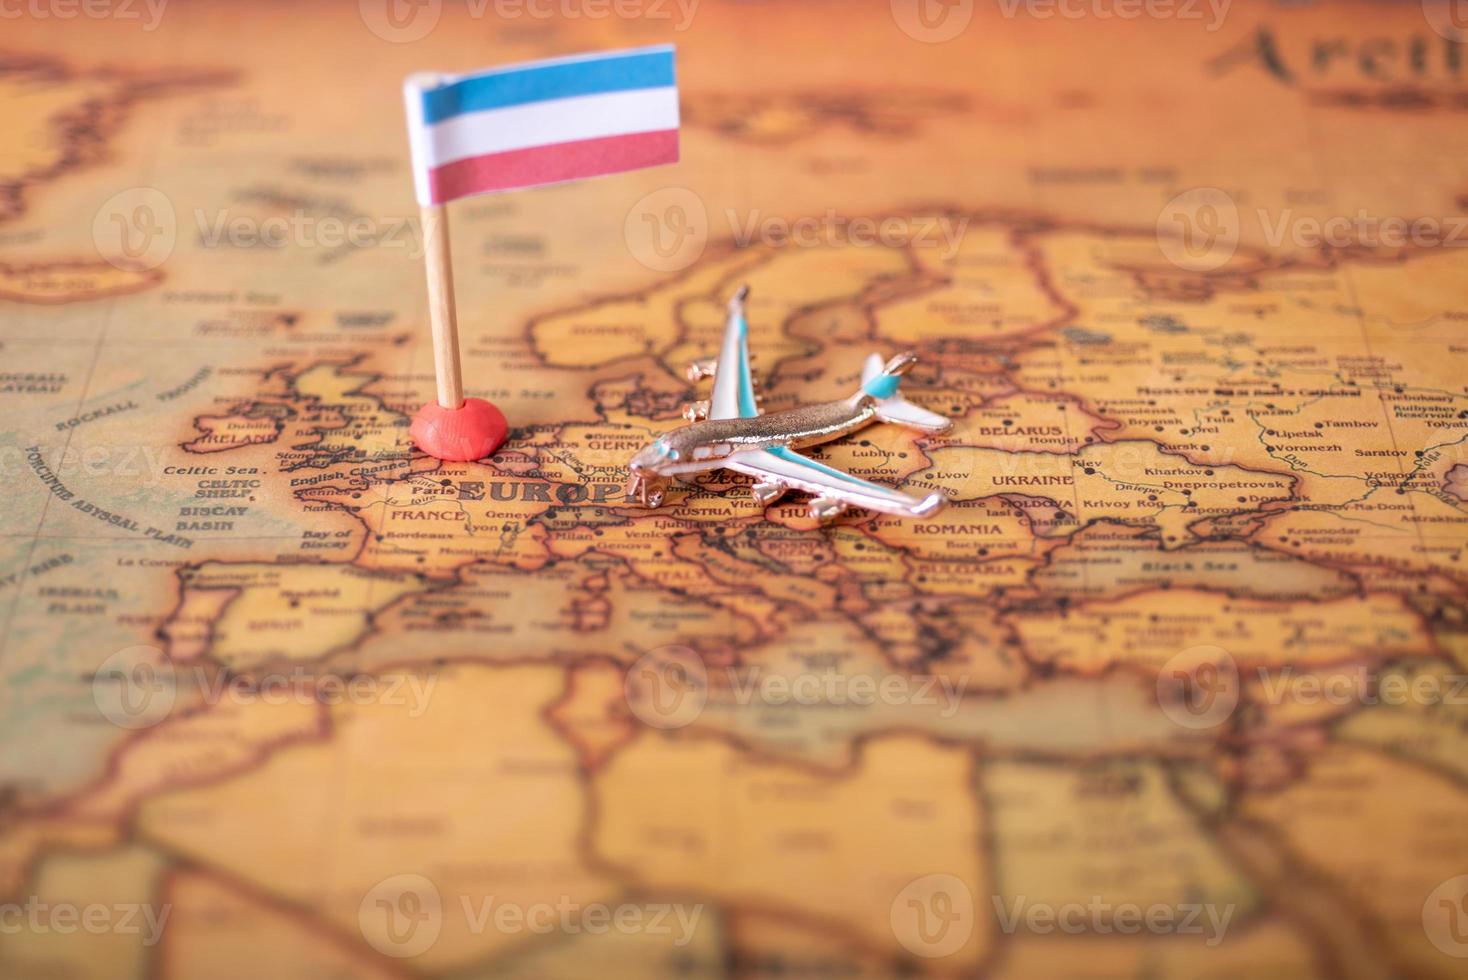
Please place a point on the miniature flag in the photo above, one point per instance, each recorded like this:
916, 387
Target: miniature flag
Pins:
541, 122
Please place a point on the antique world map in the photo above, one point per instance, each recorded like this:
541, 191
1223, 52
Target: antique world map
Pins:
1173, 687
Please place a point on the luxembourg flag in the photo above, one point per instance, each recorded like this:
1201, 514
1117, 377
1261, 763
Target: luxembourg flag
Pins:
541, 122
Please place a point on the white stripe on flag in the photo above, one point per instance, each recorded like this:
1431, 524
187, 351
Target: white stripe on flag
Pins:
544, 123
413, 88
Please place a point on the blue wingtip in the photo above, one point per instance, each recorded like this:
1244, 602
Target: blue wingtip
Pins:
882, 386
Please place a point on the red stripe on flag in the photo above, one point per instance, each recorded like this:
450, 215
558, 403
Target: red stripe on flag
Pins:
552, 163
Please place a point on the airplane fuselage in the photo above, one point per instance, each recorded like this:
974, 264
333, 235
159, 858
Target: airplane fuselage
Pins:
700, 445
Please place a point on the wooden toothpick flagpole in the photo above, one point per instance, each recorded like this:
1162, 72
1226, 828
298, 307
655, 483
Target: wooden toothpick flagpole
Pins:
454, 427
438, 263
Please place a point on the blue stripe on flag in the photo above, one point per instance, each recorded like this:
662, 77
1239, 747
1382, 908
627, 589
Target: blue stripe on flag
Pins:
541, 81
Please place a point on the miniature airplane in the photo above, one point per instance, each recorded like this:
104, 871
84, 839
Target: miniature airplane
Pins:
729, 432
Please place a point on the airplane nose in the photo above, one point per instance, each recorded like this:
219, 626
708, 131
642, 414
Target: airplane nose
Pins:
642, 461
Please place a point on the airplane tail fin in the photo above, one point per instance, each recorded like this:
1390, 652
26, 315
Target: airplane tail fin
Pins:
736, 302
929, 505
881, 382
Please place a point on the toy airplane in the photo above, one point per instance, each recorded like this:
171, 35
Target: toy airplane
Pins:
729, 432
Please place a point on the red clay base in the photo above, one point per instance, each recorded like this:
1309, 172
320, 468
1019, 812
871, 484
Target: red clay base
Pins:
472, 431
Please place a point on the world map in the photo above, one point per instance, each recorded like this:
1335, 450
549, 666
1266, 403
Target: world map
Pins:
1173, 686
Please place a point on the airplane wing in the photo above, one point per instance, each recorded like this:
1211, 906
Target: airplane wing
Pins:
733, 396
787, 467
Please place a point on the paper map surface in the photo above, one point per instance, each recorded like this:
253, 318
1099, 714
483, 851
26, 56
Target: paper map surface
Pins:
1172, 687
